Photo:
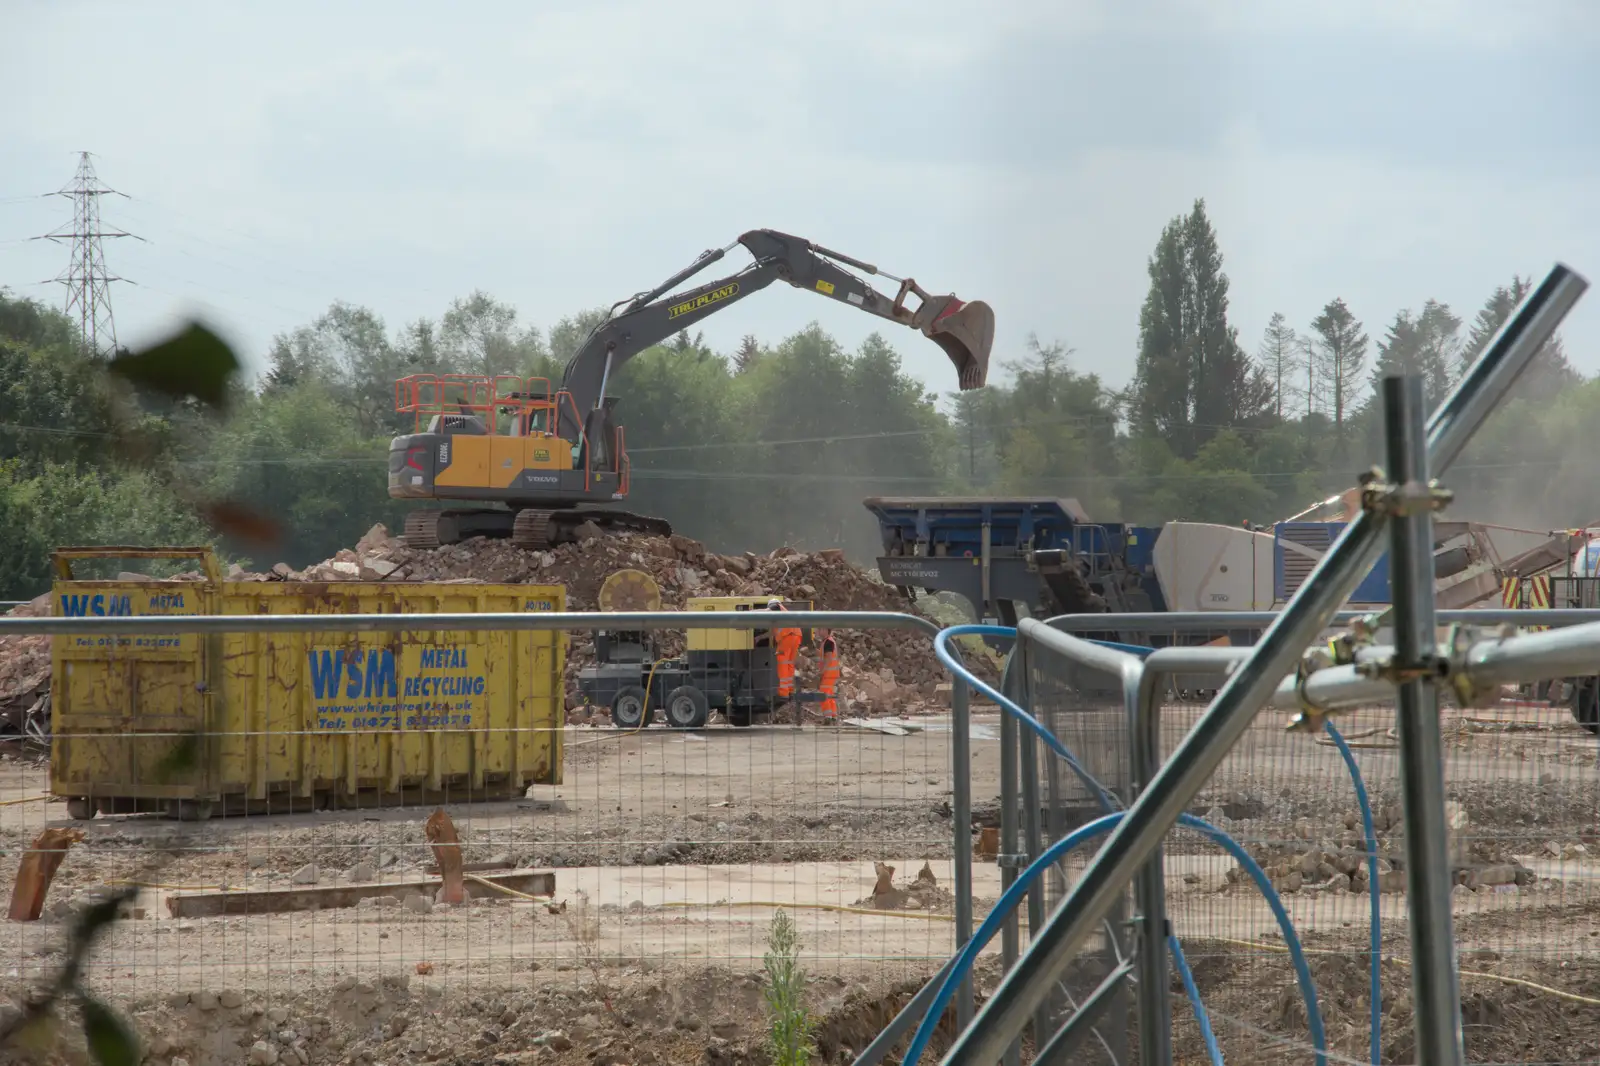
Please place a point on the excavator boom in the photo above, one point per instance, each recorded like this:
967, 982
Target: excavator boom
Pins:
563, 454
963, 330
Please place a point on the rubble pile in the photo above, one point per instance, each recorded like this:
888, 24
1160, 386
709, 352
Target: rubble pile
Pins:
884, 671
25, 679
1337, 860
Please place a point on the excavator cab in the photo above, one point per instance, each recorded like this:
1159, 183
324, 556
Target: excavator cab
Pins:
966, 333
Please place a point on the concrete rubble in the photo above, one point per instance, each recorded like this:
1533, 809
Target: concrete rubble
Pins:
885, 672
25, 681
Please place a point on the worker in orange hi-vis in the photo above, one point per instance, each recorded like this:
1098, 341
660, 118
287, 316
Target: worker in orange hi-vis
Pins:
828, 679
787, 639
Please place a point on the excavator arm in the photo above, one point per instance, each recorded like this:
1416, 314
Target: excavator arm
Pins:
965, 331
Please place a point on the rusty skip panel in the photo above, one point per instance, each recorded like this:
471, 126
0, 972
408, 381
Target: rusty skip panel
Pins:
198, 724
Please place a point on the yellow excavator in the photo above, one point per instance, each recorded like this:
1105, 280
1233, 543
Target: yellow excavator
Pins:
540, 461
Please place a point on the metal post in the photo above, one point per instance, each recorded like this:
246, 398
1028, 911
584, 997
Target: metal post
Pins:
1435, 986
1183, 775
1010, 940
986, 609
1032, 826
1058, 1050
961, 815
1149, 889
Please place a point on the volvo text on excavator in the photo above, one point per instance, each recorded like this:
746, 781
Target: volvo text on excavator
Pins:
539, 462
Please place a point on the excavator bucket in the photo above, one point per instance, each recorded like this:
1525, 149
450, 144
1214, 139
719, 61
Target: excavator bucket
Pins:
966, 333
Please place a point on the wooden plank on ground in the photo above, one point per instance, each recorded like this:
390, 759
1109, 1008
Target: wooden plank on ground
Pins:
330, 897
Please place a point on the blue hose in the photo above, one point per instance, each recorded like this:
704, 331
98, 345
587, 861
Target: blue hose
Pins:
1201, 1018
941, 648
1375, 917
1053, 854
1303, 974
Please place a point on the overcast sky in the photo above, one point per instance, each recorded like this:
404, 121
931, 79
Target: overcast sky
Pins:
565, 155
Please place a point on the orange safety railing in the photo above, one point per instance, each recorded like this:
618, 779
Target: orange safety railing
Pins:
426, 396
530, 400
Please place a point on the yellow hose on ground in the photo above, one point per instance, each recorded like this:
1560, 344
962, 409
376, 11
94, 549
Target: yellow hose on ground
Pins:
926, 916
839, 908
27, 799
1518, 981
484, 881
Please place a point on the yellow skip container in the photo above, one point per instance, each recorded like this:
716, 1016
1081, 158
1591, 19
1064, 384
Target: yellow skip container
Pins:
203, 724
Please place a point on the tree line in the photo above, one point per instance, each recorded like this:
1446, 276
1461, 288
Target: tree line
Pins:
779, 442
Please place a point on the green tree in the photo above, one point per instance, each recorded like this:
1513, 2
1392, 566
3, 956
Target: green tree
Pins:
1422, 344
347, 351
674, 405
480, 335
63, 504
1192, 378
1397, 351
1055, 429
1548, 374
1282, 358
973, 415
1341, 352
1438, 348
297, 454
63, 478
745, 356
568, 335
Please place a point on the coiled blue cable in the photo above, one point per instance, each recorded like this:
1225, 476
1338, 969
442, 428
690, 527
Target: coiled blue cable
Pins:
941, 648
1053, 854
1303, 973
1191, 989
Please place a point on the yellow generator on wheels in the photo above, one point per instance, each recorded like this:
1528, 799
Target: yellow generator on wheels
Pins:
734, 671
534, 462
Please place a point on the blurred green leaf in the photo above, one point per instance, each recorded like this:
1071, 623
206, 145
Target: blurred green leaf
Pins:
183, 756
38, 1030
97, 917
110, 1039
196, 362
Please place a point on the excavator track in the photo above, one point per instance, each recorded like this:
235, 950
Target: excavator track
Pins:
422, 529
565, 523
529, 528
431, 529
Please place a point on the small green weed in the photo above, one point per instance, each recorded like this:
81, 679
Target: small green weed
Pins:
792, 1027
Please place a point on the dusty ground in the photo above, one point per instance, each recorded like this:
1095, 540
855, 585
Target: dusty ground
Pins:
668, 849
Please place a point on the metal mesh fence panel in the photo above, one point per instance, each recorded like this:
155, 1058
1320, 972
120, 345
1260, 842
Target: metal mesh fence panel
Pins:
1522, 802
1523, 806
1084, 708
631, 905
1287, 799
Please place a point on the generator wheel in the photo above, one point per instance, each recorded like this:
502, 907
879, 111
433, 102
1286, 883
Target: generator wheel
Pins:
629, 708
687, 708
1586, 703
81, 808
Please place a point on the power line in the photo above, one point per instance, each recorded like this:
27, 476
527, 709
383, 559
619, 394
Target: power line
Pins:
86, 278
